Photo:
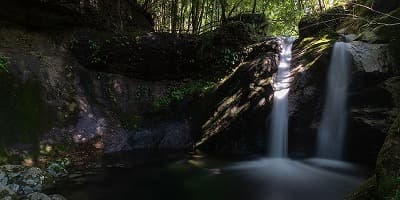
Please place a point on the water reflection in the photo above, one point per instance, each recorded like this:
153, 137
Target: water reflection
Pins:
290, 179
199, 177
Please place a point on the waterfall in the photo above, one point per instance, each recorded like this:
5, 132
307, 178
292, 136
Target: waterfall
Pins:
331, 133
279, 116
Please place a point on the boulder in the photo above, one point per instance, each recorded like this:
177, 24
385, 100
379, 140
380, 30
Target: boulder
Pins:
57, 197
371, 57
37, 196
7, 193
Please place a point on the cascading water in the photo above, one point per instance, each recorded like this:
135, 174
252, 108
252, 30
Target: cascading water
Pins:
331, 132
279, 116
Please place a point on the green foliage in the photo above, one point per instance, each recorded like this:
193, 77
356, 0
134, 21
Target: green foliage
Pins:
4, 63
178, 93
199, 16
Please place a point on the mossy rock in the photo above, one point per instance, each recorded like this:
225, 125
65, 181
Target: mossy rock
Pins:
366, 191
311, 49
381, 29
388, 164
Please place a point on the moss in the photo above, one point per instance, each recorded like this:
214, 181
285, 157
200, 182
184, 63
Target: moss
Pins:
24, 114
312, 48
176, 94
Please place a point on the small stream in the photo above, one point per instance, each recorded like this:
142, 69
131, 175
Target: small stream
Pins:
208, 178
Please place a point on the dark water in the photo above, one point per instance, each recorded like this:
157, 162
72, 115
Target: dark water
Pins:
204, 178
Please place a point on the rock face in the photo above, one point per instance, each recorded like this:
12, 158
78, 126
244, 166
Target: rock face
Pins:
167, 135
232, 117
50, 92
81, 105
94, 82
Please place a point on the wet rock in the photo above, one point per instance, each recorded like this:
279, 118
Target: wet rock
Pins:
37, 196
41, 196
34, 177
57, 197
7, 193
3, 178
27, 190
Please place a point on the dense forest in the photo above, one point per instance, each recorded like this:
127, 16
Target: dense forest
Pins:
200, 16
200, 99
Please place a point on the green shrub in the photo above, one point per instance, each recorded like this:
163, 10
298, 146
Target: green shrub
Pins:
3, 63
176, 94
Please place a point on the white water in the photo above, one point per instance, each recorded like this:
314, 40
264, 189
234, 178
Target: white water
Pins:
279, 116
331, 133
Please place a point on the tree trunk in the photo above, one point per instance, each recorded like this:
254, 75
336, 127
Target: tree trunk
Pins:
223, 10
174, 16
254, 6
321, 8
